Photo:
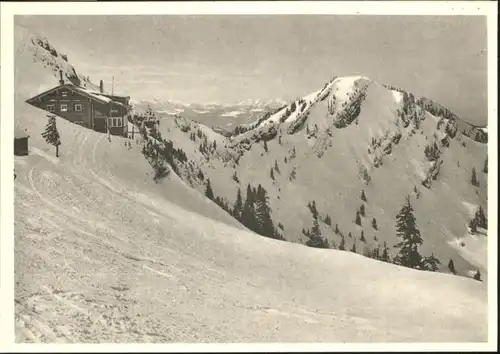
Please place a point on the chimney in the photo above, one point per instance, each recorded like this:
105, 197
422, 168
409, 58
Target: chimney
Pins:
101, 87
61, 80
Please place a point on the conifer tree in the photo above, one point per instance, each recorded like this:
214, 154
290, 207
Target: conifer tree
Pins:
385, 253
473, 225
482, 221
374, 224
353, 249
238, 205
408, 232
337, 231
159, 166
474, 179
363, 196
272, 174
358, 218
315, 237
263, 213
342, 243
51, 134
451, 266
276, 166
209, 193
265, 146
328, 220
362, 210
248, 212
362, 237
430, 263
312, 208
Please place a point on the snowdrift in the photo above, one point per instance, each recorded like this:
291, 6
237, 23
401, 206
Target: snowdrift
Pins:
103, 254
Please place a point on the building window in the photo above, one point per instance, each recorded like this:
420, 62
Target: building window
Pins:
64, 94
78, 107
64, 107
51, 107
115, 122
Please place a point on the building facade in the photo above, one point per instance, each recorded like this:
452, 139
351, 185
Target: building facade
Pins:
99, 111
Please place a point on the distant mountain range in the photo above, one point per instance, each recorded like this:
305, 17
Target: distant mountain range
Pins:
219, 115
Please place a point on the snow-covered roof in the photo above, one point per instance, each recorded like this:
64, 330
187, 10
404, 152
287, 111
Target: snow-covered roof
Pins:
84, 91
107, 94
96, 95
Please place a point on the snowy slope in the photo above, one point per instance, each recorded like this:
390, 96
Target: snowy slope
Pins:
104, 254
315, 139
34, 48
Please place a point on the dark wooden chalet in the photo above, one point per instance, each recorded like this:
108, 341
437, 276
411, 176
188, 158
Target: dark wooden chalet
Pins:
96, 110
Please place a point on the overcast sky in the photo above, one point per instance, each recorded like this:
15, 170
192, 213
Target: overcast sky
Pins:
230, 58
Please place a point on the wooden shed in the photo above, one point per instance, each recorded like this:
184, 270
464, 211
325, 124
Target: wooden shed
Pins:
20, 142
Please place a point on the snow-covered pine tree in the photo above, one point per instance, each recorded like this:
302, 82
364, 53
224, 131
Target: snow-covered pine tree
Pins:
430, 263
315, 237
51, 134
408, 232
473, 225
374, 224
159, 167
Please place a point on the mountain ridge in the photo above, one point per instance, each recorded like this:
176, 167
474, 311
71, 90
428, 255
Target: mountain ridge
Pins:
160, 262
